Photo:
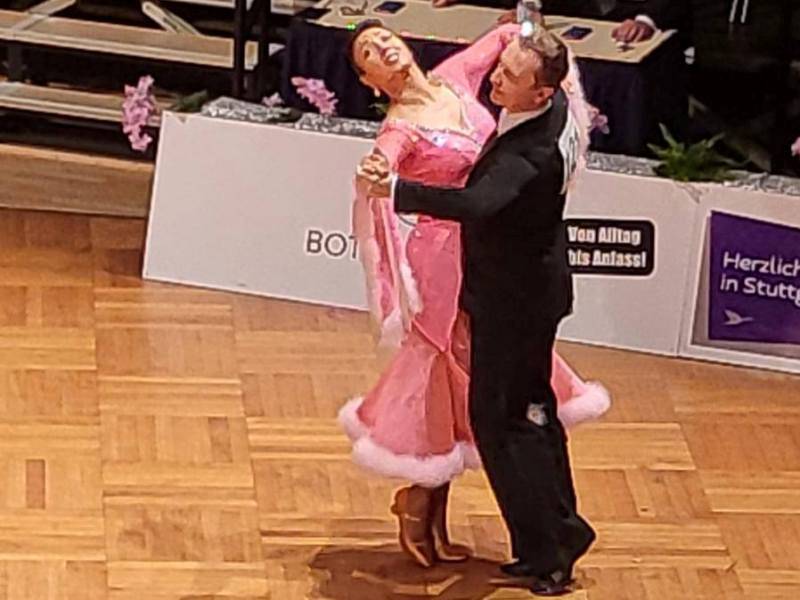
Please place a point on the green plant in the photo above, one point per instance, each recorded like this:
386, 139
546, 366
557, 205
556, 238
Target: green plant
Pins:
191, 103
696, 162
382, 108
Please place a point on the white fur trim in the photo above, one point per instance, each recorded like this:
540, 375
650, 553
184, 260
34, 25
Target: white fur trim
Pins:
392, 331
429, 471
593, 403
472, 459
410, 286
348, 419
369, 259
435, 470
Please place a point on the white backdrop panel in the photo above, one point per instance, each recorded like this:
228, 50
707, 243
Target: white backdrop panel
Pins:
642, 313
770, 207
236, 206
266, 210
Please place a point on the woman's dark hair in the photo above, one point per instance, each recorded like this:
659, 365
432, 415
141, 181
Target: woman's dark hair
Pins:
356, 33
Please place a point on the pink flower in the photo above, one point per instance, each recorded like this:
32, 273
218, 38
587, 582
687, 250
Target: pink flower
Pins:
140, 142
145, 84
273, 101
137, 108
312, 85
796, 147
315, 92
598, 120
327, 107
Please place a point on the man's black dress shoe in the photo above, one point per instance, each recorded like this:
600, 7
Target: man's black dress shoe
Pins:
518, 569
557, 584
554, 584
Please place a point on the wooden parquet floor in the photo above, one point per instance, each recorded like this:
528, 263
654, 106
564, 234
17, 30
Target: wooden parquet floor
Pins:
165, 443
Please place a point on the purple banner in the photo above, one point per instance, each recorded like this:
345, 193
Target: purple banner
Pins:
754, 291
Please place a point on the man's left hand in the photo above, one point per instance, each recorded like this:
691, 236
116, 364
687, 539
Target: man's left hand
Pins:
632, 31
381, 189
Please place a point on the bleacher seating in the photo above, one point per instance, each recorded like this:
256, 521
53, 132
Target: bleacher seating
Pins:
42, 28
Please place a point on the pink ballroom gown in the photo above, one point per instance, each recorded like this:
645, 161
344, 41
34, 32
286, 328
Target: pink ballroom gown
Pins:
414, 424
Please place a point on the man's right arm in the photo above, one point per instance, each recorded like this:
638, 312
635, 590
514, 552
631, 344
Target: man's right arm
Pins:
495, 189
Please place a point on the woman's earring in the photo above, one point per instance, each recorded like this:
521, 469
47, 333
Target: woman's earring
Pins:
377, 92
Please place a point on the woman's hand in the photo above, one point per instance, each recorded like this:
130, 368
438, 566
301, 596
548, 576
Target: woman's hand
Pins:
373, 174
374, 166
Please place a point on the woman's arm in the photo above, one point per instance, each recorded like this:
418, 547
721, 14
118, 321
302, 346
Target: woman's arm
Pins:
469, 67
377, 233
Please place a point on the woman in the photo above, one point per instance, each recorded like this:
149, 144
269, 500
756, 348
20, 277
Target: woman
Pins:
414, 424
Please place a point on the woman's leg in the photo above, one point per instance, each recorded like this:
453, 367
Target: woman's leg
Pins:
413, 507
444, 549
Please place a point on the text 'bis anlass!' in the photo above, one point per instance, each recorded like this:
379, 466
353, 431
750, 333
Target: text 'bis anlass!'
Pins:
611, 247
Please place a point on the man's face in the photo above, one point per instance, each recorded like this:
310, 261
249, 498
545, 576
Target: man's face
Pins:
514, 85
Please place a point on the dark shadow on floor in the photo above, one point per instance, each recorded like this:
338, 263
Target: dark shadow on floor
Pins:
384, 573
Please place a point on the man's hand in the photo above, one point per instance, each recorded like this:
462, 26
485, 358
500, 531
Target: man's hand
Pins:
374, 174
632, 31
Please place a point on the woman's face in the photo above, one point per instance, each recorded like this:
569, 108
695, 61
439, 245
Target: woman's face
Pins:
380, 56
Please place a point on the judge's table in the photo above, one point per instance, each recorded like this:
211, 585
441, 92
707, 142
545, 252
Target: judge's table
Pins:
636, 87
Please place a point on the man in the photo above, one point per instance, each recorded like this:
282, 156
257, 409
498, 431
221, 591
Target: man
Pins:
516, 289
639, 19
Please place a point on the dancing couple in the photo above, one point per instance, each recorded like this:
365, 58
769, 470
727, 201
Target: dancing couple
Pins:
470, 298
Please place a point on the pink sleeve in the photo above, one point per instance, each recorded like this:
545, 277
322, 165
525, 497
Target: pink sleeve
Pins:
381, 247
469, 67
394, 142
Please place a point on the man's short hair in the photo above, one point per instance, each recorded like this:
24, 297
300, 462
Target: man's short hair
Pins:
553, 56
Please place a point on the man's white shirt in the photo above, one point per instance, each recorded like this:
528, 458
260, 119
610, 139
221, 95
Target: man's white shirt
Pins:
508, 121
647, 21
